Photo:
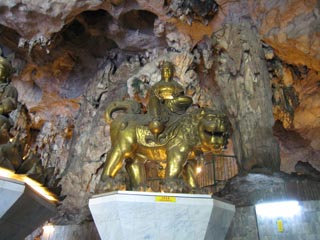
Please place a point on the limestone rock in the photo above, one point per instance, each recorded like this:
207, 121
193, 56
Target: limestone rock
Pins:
73, 57
191, 10
39, 19
254, 188
241, 75
290, 27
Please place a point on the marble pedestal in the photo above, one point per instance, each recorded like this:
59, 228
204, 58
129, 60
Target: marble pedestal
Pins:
129, 215
22, 210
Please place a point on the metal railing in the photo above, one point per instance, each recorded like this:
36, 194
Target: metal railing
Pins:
217, 168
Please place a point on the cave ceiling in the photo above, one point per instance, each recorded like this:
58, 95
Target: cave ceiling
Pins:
73, 56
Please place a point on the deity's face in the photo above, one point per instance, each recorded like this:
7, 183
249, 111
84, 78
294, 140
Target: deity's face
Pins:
167, 72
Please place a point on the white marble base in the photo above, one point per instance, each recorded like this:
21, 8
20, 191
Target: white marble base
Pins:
10, 191
129, 215
21, 209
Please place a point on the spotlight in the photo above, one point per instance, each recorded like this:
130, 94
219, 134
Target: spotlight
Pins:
48, 229
278, 209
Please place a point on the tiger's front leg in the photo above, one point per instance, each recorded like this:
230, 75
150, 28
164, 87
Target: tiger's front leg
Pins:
122, 150
113, 163
137, 173
177, 157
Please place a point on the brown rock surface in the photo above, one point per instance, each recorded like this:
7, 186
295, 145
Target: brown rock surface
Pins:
243, 80
291, 28
73, 57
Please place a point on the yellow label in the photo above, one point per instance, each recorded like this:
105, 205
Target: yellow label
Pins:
165, 199
280, 225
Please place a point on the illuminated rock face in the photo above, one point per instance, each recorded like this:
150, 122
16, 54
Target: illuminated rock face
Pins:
22, 210
97, 47
289, 28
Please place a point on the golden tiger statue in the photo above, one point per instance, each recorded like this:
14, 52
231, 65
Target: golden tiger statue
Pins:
194, 132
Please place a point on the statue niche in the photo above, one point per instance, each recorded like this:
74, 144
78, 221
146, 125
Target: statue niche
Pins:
165, 133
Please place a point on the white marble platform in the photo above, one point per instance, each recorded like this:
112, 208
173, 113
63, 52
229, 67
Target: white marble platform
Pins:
22, 210
129, 215
10, 191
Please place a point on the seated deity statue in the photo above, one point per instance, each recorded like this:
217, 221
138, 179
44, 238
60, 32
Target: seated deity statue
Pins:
8, 94
167, 100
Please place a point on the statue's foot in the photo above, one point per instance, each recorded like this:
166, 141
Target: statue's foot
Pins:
175, 186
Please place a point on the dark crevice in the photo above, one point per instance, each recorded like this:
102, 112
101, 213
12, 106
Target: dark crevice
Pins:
139, 20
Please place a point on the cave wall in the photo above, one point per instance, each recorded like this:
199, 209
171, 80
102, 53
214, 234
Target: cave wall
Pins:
243, 79
74, 57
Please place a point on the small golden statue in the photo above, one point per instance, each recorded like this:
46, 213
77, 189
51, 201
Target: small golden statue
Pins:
9, 151
180, 137
8, 94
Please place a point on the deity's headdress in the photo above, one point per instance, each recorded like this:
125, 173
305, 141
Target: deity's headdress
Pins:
167, 64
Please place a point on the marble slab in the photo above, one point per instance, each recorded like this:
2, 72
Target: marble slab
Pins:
129, 215
22, 210
10, 191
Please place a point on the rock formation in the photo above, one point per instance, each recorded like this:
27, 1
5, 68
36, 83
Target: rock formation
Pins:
257, 60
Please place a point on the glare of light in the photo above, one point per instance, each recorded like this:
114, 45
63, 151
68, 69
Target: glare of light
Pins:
199, 169
30, 182
48, 229
6, 173
278, 209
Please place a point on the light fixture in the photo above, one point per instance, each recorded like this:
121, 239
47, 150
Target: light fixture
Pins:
6, 173
278, 209
198, 169
48, 229
200, 163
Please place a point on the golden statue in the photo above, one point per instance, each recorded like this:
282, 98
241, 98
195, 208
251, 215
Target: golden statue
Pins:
183, 137
166, 100
11, 152
202, 130
8, 94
